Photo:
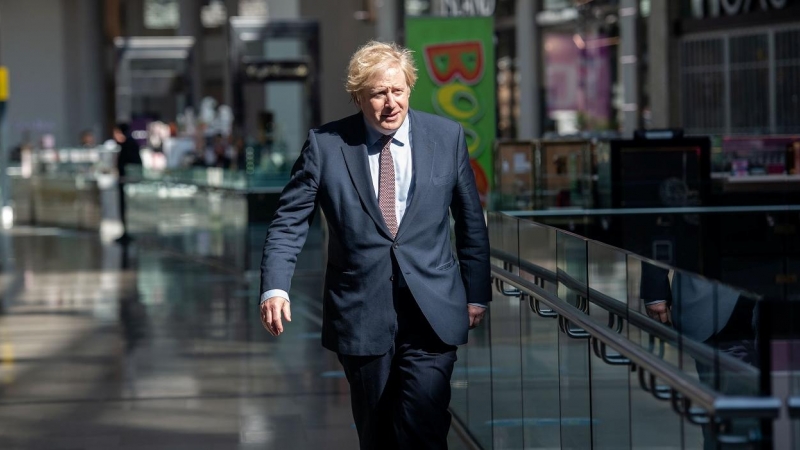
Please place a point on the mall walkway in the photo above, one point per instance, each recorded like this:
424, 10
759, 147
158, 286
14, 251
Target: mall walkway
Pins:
105, 347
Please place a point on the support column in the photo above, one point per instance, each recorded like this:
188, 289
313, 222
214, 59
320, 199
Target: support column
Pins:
387, 22
529, 62
83, 70
662, 84
629, 66
191, 25
134, 14
232, 10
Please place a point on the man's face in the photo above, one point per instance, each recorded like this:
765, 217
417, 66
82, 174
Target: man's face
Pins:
384, 101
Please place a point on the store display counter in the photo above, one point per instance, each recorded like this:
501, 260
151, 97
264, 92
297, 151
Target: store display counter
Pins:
59, 199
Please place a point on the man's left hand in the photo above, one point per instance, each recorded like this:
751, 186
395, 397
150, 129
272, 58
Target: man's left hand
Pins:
476, 314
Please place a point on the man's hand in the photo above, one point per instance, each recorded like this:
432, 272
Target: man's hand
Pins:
658, 311
271, 314
476, 314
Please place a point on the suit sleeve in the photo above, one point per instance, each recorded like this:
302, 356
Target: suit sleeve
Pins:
289, 228
472, 238
654, 284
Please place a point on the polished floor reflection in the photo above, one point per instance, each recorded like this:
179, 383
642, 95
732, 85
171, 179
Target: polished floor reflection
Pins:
110, 347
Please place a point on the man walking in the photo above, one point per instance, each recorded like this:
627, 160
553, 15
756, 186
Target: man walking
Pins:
396, 301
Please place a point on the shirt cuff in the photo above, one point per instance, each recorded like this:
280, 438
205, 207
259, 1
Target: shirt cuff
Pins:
274, 293
654, 302
480, 305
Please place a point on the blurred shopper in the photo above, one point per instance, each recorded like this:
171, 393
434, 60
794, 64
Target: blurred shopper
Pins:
238, 153
396, 301
220, 147
128, 156
87, 139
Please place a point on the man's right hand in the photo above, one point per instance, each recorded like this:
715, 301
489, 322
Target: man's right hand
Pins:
271, 310
659, 311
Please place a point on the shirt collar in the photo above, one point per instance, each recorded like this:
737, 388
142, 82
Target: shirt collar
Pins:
400, 136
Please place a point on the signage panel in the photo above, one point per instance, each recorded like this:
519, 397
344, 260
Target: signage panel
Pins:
455, 58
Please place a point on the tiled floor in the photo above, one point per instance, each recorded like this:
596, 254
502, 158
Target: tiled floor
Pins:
105, 347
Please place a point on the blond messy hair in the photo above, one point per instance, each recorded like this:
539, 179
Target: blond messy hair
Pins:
375, 57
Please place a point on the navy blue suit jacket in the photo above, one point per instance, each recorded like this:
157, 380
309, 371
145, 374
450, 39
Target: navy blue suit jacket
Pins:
364, 261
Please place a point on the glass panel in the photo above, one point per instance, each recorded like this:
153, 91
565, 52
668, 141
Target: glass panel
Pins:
713, 316
574, 373
653, 423
514, 178
609, 383
777, 337
789, 339
540, 366
479, 383
506, 417
793, 345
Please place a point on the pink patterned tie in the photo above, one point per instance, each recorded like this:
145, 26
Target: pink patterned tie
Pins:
386, 194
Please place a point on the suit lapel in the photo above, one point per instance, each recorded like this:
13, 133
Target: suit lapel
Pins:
355, 157
422, 154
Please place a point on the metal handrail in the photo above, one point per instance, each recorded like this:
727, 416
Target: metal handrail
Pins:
694, 349
690, 391
793, 403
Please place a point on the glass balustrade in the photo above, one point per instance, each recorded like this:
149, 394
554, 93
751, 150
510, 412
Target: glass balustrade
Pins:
543, 377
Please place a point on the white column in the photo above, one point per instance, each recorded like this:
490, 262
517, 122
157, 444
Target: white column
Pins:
529, 50
387, 22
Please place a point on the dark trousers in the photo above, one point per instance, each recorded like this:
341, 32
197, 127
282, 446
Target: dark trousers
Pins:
121, 192
400, 398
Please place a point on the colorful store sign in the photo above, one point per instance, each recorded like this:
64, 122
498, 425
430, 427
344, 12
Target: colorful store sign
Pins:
455, 58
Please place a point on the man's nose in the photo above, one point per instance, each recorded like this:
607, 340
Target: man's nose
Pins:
390, 101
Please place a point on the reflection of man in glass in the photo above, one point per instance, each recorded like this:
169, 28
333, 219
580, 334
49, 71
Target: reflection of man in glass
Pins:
709, 313
701, 310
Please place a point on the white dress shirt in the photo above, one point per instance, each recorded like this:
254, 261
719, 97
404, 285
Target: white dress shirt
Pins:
403, 166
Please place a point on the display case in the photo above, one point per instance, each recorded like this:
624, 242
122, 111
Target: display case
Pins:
63, 187
757, 156
545, 174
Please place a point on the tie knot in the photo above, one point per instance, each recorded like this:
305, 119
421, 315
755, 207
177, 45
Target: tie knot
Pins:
385, 139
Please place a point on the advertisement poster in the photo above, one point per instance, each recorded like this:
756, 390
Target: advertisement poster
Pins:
455, 59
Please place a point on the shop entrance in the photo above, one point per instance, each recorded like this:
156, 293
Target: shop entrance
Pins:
274, 69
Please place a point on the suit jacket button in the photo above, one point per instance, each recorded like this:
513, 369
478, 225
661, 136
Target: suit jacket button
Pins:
391, 278
396, 245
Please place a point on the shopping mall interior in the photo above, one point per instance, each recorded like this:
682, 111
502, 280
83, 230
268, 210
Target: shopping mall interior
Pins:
637, 163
